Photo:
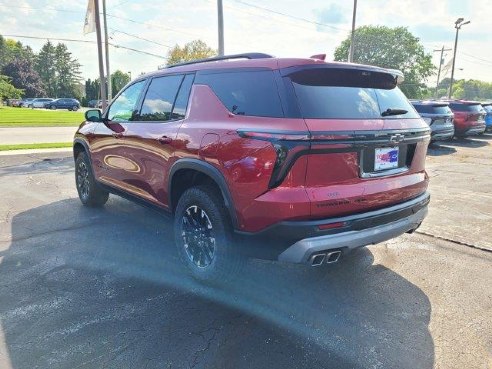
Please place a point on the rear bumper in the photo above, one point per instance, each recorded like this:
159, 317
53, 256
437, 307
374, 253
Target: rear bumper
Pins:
473, 130
359, 230
444, 133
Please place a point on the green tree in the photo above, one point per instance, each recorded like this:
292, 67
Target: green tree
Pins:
7, 90
67, 71
193, 50
394, 48
118, 80
59, 71
46, 68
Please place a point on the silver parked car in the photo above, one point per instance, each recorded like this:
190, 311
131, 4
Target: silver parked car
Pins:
39, 103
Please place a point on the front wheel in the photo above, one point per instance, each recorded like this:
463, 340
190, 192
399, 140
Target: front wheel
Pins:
90, 193
203, 235
75, 108
53, 107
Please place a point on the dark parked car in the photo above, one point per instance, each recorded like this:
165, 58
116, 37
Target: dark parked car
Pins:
488, 115
64, 103
438, 116
469, 118
318, 158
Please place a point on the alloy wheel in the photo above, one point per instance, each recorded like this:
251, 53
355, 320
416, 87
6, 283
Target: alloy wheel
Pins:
198, 238
83, 183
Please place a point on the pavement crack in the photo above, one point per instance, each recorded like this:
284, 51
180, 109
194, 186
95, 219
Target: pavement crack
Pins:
454, 241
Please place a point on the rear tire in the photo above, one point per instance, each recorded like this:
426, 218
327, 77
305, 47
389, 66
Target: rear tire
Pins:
203, 235
90, 193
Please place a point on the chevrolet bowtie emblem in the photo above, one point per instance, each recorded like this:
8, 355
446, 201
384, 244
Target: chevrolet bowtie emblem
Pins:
397, 138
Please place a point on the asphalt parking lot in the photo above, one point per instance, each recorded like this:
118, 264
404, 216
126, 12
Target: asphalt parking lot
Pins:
88, 288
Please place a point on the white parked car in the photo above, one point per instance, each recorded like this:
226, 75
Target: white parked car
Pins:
39, 103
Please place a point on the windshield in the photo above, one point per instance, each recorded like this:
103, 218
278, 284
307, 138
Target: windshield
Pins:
335, 94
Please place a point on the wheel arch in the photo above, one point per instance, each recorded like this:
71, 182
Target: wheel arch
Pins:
189, 165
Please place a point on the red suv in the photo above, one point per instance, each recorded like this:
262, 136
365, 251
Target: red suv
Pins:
313, 158
469, 117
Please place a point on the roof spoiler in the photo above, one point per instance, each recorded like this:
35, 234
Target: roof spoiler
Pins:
397, 74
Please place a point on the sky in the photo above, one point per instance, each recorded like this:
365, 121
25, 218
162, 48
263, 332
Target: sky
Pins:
287, 28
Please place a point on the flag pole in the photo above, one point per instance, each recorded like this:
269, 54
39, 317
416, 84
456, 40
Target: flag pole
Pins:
106, 50
99, 54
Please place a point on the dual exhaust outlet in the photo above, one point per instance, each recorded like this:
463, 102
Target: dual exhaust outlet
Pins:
325, 257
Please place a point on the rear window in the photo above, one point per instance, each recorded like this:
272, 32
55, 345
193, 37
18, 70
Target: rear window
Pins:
348, 94
433, 109
251, 93
488, 108
473, 108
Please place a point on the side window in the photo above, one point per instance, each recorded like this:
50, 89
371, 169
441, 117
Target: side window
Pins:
159, 99
122, 109
245, 93
181, 103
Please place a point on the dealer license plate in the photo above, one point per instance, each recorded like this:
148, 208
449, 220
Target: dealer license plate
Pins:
386, 158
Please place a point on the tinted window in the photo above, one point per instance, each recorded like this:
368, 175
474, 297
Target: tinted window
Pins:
475, 108
245, 93
159, 98
433, 109
348, 94
488, 108
181, 103
123, 107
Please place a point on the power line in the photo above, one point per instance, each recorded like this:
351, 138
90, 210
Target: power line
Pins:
87, 41
140, 38
291, 16
475, 57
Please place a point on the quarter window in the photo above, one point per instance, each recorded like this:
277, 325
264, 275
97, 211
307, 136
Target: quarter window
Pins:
159, 99
252, 93
123, 107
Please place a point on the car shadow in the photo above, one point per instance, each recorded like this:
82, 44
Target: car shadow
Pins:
96, 288
439, 148
467, 142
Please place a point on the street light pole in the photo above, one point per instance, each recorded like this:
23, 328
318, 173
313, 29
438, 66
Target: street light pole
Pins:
220, 16
106, 51
352, 35
458, 24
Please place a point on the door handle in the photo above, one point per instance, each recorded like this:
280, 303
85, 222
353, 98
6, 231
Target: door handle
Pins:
165, 140
117, 135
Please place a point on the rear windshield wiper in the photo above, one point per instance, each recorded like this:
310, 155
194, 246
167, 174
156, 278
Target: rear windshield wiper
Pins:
390, 111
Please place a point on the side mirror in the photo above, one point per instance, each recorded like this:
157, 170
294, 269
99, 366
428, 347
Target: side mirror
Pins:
93, 115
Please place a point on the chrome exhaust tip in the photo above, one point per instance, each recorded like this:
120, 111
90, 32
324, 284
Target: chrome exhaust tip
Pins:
317, 259
333, 257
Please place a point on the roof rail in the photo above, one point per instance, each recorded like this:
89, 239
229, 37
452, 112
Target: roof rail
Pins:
225, 57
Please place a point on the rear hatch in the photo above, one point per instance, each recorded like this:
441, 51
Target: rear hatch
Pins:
368, 144
435, 114
475, 114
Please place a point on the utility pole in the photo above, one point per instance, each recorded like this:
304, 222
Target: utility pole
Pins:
99, 53
442, 50
352, 35
106, 49
220, 16
458, 24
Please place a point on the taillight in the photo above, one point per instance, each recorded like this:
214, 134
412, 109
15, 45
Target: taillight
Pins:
288, 146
